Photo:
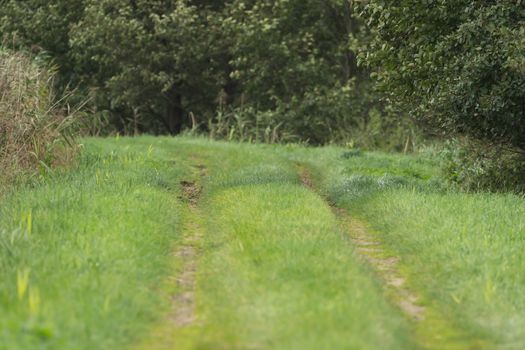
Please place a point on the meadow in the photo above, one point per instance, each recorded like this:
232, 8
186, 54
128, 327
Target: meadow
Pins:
186, 243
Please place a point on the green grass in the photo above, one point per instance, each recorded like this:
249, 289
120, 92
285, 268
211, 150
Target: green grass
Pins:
277, 271
281, 275
95, 244
468, 252
92, 244
464, 252
275, 268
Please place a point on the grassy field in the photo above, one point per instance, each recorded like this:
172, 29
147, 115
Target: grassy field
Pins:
97, 256
463, 252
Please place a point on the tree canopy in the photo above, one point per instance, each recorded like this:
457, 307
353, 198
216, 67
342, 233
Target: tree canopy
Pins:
285, 65
370, 73
457, 66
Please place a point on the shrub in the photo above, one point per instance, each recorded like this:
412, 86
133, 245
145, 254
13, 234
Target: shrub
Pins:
474, 165
459, 68
42, 26
33, 128
296, 60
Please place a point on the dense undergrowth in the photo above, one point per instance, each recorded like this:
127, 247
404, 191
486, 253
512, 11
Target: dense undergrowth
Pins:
372, 74
479, 167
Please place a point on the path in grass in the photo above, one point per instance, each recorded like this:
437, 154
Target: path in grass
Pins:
432, 329
371, 250
184, 299
265, 261
172, 331
367, 186
270, 268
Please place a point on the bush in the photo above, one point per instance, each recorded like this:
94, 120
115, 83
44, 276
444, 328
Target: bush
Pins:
458, 67
474, 165
42, 26
282, 70
33, 128
296, 61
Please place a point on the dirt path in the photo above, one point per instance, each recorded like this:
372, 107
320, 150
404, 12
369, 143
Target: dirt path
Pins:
183, 303
184, 300
386, 266
371, 250
182, 323
432, 328
182, 316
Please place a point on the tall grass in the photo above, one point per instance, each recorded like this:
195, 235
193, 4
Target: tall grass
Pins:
249, 125
33, 125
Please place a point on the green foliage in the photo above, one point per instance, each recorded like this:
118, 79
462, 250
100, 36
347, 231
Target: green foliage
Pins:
459, 68
287, 68
297, 60
477, 166
249, 125
41, 25
147, 60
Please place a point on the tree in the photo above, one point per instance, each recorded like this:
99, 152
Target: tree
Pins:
41, 25
286, 67
297, 60
153, 60
457, 66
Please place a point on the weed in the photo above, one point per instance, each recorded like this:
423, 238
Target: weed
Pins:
22, 283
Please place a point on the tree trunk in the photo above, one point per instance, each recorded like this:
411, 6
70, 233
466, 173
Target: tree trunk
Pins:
175, 112
350, 59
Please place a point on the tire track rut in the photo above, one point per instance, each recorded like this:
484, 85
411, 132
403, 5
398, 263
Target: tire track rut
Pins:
184, 300
371, 250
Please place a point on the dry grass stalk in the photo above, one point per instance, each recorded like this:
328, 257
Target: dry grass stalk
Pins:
32, 124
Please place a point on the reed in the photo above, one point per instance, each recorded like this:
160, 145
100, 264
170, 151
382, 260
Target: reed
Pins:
35, 131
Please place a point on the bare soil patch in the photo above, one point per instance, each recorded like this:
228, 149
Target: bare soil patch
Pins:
184, 300
190, 192
387, 267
